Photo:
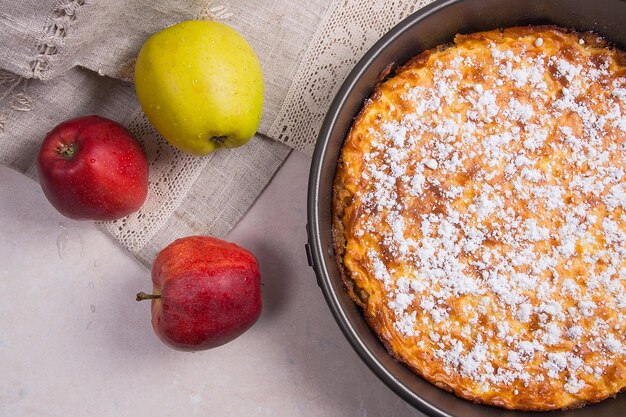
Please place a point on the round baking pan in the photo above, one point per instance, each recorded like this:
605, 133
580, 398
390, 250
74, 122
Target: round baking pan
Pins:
431, 26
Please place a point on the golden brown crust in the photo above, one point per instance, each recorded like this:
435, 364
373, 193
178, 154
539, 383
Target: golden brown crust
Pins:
480, 359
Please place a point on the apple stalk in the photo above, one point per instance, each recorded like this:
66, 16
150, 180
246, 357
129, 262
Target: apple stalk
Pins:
143, 296
66, 151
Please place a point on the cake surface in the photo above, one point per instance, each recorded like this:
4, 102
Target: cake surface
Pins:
479, 217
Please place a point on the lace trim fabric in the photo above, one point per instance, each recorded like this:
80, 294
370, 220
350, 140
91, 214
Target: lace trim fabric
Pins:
13, 88
57, 27
190, 195
13, 97
347, 31
215, 11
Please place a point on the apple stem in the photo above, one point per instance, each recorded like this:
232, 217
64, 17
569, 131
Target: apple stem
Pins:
144, 296
67, 151
218, 139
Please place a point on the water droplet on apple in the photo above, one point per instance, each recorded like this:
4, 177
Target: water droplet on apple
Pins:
92, 160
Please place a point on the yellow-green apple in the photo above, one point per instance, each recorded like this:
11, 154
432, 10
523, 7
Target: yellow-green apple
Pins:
206, 292
201, 85
93, 168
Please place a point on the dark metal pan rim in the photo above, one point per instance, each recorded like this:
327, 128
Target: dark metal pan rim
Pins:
322, 167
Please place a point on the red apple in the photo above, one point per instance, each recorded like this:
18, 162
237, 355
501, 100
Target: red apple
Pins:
206, 292
93, 168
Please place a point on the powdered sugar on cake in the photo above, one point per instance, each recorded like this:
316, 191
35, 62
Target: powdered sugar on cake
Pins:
495, 196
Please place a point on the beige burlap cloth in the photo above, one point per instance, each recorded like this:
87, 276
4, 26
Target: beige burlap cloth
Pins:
65, 58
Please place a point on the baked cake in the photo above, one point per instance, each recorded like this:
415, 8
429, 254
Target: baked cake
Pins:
480, 217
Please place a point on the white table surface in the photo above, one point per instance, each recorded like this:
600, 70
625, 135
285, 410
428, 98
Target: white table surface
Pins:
74, 342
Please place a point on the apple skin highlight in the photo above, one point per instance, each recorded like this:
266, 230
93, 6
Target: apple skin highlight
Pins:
206, 292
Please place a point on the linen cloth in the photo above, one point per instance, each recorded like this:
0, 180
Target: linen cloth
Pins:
65, 58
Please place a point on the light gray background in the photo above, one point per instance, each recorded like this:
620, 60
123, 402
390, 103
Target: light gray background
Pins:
74, 342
